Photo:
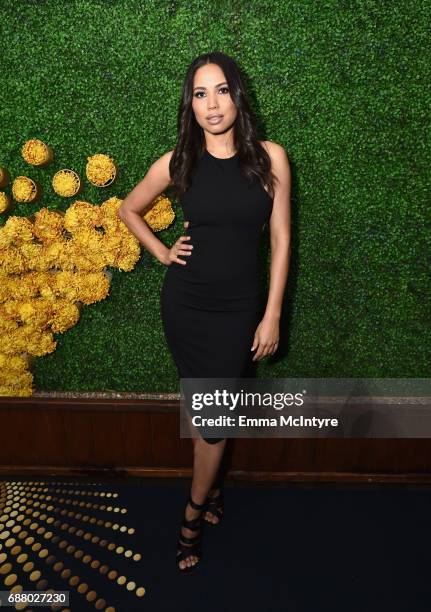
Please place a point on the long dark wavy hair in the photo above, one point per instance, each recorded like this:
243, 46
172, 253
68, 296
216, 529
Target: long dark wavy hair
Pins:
253, 158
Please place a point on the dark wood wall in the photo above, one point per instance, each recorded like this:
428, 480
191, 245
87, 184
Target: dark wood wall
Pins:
142, 438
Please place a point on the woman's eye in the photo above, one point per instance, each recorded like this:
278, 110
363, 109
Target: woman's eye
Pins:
202, 92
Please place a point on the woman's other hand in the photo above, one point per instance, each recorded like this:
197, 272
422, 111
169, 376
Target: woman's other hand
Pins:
266, 338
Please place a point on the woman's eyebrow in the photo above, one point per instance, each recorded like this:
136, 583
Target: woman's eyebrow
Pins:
218, 85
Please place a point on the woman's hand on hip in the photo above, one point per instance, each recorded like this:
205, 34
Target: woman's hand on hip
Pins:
179, 248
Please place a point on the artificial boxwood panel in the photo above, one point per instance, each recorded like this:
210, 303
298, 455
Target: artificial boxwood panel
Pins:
341, 85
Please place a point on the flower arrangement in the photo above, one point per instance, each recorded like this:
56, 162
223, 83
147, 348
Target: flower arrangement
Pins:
36, 152
161, 215
15, 375
66, 183
101, 170
50, 266
24, 189
4, 201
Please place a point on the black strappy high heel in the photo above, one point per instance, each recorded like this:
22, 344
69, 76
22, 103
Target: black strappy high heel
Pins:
215, 506
190, 546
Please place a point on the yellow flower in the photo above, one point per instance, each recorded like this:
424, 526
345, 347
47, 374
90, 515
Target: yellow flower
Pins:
4, 201
15, 379
35, 152
81, 215
88, 239
66, 183
15, 231
93, 287
12, 261
31, 252
48, 225
13, 364
161, 215
24, 189
100, 169
65, 316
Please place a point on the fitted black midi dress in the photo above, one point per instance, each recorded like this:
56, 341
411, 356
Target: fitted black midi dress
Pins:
212, 305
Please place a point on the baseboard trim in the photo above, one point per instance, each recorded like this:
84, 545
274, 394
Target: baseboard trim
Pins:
233, 475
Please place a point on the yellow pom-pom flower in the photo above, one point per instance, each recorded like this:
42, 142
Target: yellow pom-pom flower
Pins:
36, 152
161, 215
48, 225
80, 215
4, 201
101, 170
24, 189
66, 183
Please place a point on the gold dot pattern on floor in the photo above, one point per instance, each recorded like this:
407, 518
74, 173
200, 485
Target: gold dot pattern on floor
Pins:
69, 536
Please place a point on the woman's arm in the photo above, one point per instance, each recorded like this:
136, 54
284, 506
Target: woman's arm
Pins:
280, 231
146, 191
267, 334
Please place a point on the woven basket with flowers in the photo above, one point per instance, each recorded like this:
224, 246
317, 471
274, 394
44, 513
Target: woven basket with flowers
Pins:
101, 170
4, 177
66, 183
37, 153
24, 189
5, 201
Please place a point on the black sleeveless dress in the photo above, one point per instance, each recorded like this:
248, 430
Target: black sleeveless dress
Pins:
212, 305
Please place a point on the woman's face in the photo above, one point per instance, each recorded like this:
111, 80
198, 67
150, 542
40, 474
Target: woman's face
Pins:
211, 97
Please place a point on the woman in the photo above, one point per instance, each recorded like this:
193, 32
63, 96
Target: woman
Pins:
229, 184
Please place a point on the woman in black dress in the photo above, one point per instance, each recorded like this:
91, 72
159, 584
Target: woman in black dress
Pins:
214, 316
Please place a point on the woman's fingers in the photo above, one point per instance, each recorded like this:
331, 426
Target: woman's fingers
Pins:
181, 253
273, 348
258, 354
182, 245
180, 248
263, 350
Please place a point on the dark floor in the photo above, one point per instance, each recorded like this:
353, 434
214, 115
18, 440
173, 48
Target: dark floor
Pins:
280, 548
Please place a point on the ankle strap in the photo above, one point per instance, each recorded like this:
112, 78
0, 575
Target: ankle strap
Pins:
195, 505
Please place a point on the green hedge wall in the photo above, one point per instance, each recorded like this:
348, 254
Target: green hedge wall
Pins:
341, 85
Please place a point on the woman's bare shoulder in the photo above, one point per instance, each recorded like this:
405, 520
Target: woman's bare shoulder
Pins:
273, 149
280, 165
166, 158
168, 154
160, 167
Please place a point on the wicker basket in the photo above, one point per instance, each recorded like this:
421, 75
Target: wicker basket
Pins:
5, 202
37, 153
4, 177
101, 170
24, 189
66, 183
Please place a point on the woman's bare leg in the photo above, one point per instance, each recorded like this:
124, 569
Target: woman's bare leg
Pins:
207, 459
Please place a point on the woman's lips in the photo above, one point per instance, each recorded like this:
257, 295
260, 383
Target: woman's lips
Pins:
215, 120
